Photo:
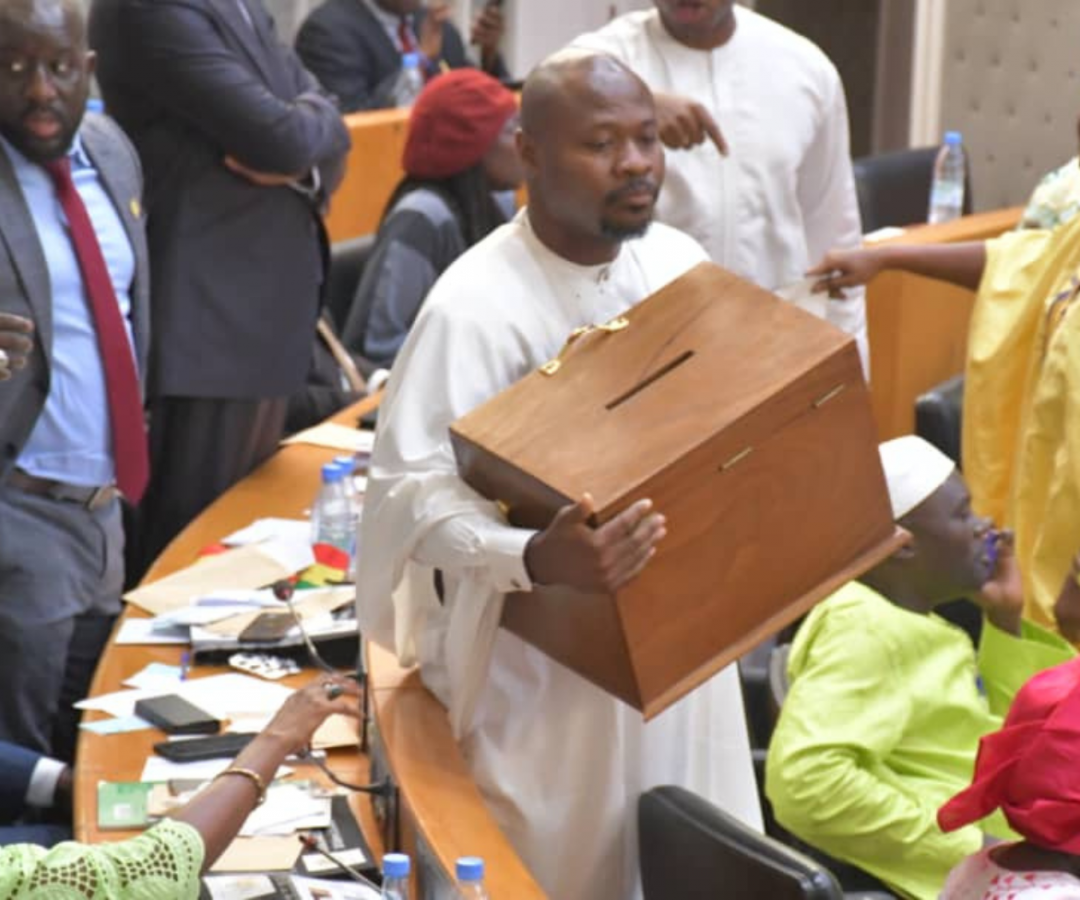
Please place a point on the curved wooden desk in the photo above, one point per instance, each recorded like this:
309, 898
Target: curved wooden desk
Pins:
440, 807
918, 326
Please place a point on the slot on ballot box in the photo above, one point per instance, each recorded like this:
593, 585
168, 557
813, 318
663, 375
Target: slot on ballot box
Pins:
746, 421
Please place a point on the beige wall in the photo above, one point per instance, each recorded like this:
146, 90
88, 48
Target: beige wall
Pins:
1010, 81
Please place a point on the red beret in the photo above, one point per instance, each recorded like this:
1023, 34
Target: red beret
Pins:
454, 122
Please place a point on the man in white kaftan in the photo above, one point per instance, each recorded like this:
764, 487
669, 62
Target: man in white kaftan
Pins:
560, 762
784, 194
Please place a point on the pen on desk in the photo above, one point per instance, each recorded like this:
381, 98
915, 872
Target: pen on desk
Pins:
185, 664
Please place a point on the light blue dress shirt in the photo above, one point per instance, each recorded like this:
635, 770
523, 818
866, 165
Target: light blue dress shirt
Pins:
72, 438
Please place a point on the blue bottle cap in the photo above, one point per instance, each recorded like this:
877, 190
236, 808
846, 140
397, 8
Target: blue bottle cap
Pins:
395, 865
331, 472
470, 868
953, 137
347, 463
410, 60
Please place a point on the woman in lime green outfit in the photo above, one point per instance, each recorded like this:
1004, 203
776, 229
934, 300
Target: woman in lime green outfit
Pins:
167, 861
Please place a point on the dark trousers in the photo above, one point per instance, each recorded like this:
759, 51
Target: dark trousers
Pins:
199, 448
61, 571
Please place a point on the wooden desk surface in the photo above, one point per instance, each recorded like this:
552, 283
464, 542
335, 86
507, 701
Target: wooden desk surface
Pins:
283, 486
918, 326
440, 804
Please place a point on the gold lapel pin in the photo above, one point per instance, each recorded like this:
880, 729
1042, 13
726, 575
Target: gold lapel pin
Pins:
136, 208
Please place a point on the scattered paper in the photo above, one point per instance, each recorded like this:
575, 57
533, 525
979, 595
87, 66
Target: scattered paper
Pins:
223, 696
119, 703
121, 725
323, 889
260, 854
309, 606
142, 631
336, 731
269, 529
317, 864
287, 808
158, 768
239, 887
245, 567
156, 675
335, 437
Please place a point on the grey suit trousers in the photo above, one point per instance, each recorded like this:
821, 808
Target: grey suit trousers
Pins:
61, 574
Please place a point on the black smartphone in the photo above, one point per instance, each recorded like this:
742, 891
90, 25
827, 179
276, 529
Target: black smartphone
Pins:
175, 715
214, 747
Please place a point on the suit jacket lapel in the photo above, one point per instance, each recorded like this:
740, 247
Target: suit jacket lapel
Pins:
18, 231
249, 36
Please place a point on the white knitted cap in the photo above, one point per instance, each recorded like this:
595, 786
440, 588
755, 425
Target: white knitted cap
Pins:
914, 469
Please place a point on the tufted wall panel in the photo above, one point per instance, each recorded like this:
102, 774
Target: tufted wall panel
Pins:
1011, 84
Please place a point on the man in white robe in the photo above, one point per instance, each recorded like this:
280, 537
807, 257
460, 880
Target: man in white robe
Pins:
755, 116
560, 762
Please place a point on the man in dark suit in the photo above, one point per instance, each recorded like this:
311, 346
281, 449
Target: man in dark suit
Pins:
354, 47
73, 265
29, 782
241, 149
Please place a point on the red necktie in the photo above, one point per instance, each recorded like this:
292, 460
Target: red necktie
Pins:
405, 35
121, 378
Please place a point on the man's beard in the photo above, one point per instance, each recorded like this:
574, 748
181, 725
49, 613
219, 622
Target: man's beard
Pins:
615, 232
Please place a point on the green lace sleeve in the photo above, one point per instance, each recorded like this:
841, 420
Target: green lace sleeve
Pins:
162, 864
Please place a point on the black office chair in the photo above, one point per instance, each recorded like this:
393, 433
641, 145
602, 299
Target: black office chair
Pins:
692, 850
347, 261
894, 188
939, 416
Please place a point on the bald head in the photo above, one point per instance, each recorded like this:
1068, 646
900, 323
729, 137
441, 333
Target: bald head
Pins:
44, 76
592, 156
569, 80
60, 16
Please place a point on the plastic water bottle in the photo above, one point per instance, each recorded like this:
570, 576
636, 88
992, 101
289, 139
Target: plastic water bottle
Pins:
470, 878
395, 884
347, 464
947, 190
333, 517
410, 80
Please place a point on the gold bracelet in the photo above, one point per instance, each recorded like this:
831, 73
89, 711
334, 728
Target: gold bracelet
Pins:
251, 775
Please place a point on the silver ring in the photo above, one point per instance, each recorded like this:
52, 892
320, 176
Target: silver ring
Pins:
333, 691
4, 358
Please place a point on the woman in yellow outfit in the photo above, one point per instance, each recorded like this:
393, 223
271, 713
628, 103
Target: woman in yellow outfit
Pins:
1021, 431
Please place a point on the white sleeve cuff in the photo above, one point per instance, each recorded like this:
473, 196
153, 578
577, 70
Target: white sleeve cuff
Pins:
42, 788
504, 550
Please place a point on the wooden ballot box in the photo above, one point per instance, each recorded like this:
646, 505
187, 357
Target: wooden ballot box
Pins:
747, 422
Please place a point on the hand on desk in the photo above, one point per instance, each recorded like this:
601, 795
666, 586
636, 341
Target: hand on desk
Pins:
571, 552
219, 811
16, 343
